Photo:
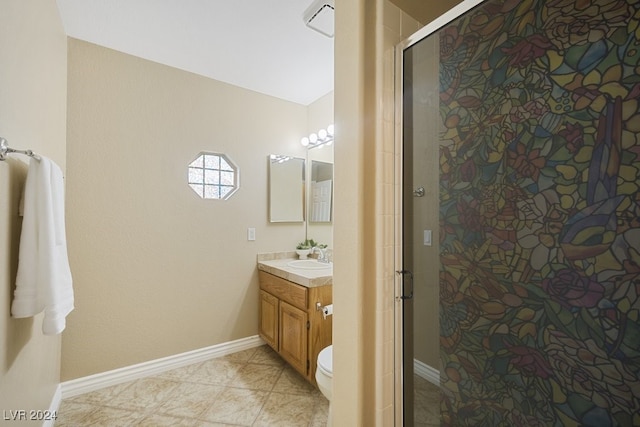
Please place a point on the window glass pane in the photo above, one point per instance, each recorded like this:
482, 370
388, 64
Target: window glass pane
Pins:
197, 163
195, 175
198, 189
211, 176
212, 162
211, 192
224, 165
226, 178
225, 190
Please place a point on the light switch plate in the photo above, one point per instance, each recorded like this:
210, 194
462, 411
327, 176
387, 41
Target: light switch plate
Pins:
251, 234
427, 237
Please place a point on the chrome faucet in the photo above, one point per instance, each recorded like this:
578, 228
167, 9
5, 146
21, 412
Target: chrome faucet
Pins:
323, 254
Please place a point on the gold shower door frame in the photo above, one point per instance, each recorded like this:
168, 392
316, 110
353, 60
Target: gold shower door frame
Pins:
403, 330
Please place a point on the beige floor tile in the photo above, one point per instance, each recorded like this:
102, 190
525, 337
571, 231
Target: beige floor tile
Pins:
253, 387
216, 372
236, 406
292, 382
265, 355
290, 410
109, 417
71, 414
180, 374
101, 396
144, 394
189, 400
320, 412
158, 420
426, 403
257, 377
241, 356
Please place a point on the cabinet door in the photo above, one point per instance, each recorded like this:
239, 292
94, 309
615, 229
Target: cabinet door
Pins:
293, 336
268, 328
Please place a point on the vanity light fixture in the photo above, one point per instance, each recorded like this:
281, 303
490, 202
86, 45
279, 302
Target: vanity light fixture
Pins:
275, 158
323, 137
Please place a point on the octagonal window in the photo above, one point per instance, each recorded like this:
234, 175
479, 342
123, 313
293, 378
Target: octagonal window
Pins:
213, 176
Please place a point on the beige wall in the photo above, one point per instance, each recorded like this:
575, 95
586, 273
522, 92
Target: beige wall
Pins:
366, 32
32, 115
159, 271
424, 11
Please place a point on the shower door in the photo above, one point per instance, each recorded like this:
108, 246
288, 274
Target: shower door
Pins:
419, 272
521, 154
417, 266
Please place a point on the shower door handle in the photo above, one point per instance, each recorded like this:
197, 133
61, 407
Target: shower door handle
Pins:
410, 274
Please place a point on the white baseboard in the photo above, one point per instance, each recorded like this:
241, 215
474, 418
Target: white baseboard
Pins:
53, 407
153, 367
427, 372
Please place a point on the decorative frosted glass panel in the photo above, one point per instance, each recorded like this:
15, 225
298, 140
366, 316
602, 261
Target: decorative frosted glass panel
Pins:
213, 176
212, 162
226, 178
195, 175
225, 166
197, 163
225, 190
197, 188
211, 192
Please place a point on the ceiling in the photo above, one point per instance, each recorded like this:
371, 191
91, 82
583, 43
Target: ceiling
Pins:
259, 45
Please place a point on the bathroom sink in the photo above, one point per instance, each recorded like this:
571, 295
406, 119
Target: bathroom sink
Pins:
309, 264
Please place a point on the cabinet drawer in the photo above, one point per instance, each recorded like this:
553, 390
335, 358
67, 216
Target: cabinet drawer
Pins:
295, 295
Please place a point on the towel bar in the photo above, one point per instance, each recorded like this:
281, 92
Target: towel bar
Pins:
5, 149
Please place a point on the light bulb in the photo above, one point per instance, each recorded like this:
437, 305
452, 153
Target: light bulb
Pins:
330, 129
322, 134
313, 138
304, 141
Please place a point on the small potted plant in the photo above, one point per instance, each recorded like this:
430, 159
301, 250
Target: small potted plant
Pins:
304, 248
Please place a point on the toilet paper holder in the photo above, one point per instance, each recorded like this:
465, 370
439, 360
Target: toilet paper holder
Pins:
327, 310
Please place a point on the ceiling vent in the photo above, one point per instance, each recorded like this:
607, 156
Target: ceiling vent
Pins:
319, 17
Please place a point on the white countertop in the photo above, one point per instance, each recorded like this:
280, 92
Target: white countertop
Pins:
304, 277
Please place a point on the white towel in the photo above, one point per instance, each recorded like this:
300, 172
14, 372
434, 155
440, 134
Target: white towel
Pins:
44, 278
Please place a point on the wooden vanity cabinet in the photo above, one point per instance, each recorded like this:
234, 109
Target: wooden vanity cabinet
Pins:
269, 318
293, 336
291, 324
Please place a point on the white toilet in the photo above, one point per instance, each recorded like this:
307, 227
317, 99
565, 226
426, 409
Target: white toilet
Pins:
324, 375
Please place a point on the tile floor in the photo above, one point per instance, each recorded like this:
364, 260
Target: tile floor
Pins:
250, 388
426, 401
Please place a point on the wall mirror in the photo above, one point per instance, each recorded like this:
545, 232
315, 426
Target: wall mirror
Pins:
320, 192
286, 188
319, 169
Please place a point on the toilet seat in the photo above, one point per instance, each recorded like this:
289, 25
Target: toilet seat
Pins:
325, 361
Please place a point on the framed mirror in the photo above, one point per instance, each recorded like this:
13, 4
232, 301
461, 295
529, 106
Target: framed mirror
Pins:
286, 188
320, 191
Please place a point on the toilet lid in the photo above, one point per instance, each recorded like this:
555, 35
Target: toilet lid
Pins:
325, 361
